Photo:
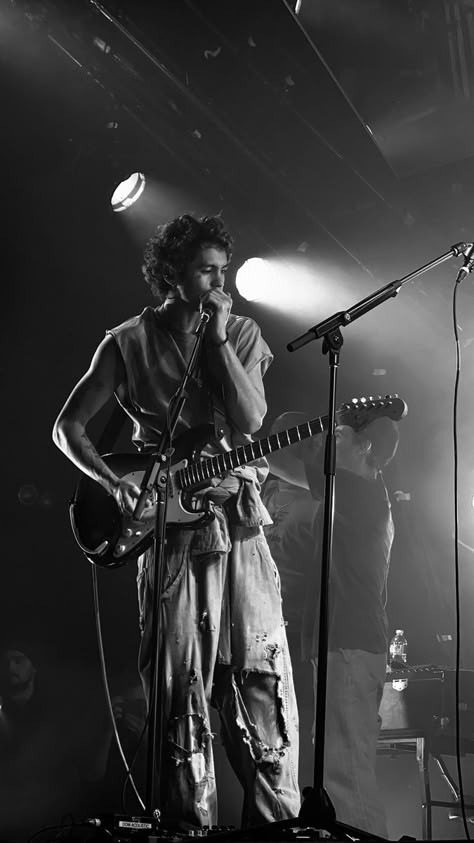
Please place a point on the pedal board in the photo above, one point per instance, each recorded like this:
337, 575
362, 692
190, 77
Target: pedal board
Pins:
122, 828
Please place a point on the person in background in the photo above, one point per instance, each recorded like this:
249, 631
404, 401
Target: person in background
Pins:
45, 738
17, 681
357, 651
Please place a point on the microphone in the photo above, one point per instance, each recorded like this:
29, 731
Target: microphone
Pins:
460, 248
206, 314
468, 261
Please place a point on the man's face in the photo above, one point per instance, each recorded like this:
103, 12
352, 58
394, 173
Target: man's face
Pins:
347, 446
16, 670
204, 273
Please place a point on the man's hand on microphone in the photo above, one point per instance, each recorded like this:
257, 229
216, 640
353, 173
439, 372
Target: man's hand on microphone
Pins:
220, 303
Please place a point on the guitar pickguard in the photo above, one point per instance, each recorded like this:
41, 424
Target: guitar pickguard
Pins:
184, 510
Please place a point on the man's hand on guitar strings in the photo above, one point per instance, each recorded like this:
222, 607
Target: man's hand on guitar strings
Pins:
126, 495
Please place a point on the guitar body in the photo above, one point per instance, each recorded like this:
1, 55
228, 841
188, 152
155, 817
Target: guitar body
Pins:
110, 539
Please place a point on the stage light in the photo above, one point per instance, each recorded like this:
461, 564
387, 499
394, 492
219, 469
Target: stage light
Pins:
254, 279
127, 192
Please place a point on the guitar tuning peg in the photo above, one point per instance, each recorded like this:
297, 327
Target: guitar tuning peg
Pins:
363, 400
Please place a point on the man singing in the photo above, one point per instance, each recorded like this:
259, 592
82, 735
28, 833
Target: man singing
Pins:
223, 637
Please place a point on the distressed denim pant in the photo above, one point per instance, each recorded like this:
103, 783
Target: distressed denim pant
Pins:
223, 643
355, 683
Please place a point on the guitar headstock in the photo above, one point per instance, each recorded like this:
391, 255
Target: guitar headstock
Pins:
361, 412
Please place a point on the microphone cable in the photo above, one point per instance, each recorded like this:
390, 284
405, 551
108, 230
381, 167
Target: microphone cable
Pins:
108, 698
456, 561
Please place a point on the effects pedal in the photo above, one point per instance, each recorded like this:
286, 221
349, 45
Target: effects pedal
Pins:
124, 827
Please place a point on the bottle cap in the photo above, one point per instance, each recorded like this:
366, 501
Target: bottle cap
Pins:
399, 631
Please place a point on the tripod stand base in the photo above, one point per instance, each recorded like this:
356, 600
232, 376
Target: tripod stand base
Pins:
316, 808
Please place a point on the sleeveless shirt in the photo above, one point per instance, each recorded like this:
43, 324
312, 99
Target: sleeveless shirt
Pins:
155, 360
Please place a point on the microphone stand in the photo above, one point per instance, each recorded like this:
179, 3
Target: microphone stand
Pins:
155, 483
317, 809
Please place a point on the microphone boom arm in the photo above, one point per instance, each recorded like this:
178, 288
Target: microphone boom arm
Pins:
345, 317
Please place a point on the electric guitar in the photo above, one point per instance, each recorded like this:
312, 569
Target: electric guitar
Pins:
109, 538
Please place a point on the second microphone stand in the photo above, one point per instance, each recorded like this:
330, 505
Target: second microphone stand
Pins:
317, 810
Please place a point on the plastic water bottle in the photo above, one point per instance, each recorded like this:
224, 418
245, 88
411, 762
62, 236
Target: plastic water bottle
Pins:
398, 652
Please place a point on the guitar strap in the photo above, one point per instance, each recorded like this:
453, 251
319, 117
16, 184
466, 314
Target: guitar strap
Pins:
216, 415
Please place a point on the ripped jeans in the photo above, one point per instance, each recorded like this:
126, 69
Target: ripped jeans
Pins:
223, 643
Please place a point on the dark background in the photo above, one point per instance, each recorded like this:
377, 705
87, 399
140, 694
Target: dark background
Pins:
337, 142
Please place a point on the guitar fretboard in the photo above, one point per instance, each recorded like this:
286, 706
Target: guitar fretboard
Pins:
357, 414
198, 472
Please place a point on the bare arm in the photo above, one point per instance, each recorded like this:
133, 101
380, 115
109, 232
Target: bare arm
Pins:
299, 463
284, 465
244, 395
90, 394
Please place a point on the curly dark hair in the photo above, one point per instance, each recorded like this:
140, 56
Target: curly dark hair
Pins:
176, 243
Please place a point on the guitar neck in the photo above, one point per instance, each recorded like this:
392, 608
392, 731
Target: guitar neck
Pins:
357, 414
197, 473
